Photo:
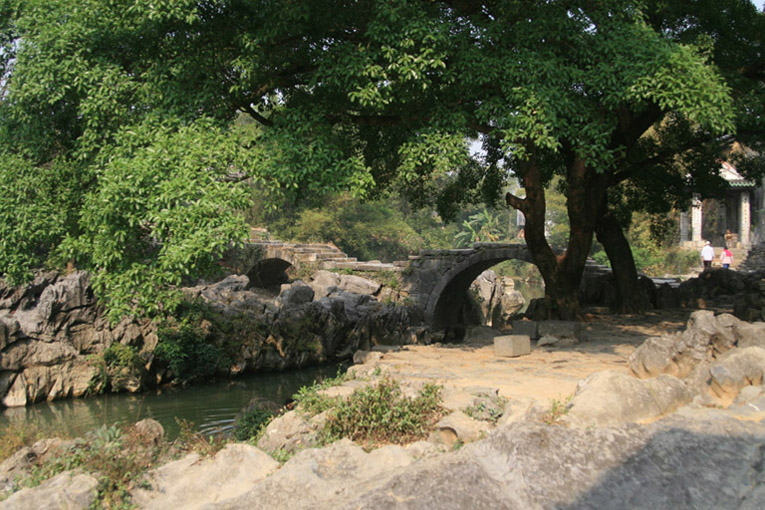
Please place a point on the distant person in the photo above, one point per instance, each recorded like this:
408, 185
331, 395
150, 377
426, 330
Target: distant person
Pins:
707, 255
728, 239
726, 258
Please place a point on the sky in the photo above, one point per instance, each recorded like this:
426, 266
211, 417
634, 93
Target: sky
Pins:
758, 3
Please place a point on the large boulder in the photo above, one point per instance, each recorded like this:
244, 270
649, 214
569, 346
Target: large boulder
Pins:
611, 398
70, 490
705, 338
193, 482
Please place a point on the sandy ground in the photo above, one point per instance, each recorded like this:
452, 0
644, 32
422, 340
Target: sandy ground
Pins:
547, 373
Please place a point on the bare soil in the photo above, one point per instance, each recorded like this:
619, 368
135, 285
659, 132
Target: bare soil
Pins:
549, 372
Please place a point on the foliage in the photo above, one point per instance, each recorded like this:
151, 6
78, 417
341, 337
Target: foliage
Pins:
14, 436
309, 399
191, 440
382, 414
485, 226
117, 457
161, 109
250, 423
558, 409
186, 348
488, 408
120, 355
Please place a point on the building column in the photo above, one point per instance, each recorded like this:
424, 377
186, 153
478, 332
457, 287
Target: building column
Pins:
745, 226
684, 234
696, 218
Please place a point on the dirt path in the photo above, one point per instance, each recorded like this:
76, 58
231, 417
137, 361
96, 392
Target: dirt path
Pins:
548, 372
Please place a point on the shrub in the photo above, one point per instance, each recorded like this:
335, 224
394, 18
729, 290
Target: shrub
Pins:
251, 422
186, 349
382, 414
310, 401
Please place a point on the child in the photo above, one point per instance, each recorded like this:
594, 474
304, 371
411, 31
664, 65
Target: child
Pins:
726, 258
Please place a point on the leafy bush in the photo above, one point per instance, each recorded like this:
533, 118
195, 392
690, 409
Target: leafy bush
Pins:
310, 401
251, 422
120, 355
185, 347
382, 414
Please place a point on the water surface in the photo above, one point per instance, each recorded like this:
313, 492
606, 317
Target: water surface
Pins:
212, 407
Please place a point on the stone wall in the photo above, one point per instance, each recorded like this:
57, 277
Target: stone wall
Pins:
53, 333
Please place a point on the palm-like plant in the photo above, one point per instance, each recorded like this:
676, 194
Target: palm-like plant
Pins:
485, 226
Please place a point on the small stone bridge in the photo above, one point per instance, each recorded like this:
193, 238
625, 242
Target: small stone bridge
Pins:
435, 281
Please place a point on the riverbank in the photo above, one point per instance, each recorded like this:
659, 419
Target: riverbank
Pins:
564, 427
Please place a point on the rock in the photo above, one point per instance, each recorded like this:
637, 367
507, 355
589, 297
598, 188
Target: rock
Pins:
481, 334
71, 379
512, 345
358, 285
193, 482
322, 478
366, 357
560, 329
295, 293
751, 334
291, 432
68, 490
704, 338
65, 295
549, 340
611, 398
458, 427
21, 463
526, 327
150, 431
742, 367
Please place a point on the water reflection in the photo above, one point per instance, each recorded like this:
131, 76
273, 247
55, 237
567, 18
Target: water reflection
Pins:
212, 407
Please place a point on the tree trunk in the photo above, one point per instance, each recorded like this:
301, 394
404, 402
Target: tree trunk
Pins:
561, 273
630, 298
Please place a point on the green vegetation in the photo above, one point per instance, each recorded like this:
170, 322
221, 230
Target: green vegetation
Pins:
488, 408
309, 400
558, 409
251, 423
14, 436
131, 156
186, 348
380, 414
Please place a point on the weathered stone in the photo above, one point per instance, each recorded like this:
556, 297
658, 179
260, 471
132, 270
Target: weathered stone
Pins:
67, 490
362, 357
742, 367
610, 398
295, 293
551, 341
193, 482
560, 329
458, 427
150, 431
358, 285
512, 345
530, 328
291, 432
20, 464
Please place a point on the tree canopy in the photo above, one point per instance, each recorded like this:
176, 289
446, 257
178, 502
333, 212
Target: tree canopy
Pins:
123, 119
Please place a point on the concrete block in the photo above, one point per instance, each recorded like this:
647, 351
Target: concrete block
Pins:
529, 328
560, 329
512, 345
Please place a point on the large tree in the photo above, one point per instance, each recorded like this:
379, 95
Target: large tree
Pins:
135, 103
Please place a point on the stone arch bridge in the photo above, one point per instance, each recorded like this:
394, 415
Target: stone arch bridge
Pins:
435, 281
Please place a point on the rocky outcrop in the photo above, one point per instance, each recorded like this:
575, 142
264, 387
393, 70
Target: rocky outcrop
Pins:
494, 300
54, 336
193, 481
69, 489
48, 331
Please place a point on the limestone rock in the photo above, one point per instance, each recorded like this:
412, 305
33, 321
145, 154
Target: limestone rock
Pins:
292, 431
25, 459
192, 482
295, 293
458, 426
611, 398
150, 431
68, 490
742, 367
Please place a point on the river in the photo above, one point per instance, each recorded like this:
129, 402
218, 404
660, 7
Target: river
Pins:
212, 406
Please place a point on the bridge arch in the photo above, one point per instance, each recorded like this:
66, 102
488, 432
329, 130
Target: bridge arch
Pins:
448, 296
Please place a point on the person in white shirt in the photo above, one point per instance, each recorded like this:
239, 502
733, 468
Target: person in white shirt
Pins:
707, 255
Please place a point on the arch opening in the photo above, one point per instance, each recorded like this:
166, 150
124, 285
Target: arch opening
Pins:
269, 273
452, 306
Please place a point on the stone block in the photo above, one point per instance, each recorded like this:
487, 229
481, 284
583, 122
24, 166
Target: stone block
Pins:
560, 329
529, 328
512, 345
